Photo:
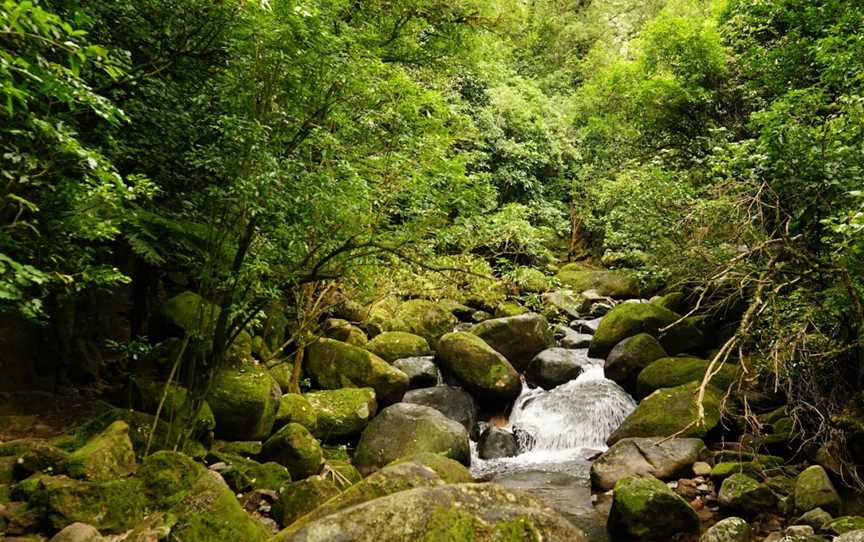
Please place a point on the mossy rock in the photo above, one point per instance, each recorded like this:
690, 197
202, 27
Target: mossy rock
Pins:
198, 317
844, 524
32, 455
813, 489
664, 459
146, 395
675, 371
106, 456
614, 284
294, 447
299, 498
479, 367
424, 318
728, 530
295, 408
531, 280
517, 338
671, 411
342, 413
282, 373
674, 301
449, 470
781, 485
630, 319
742, 494
336, 365
393, 345
110, 506
509, 308
7, 470
242, 474
564, 305
244, 401
342, 330
629, 357
646, 509
342, 473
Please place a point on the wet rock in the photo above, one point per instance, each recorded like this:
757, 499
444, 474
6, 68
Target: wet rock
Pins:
568, 338
629, 357
244, 402
294, 447
78, 532
555, 366
422, 371
662, 459
669, 372
405, 429
645, 509
477, 366
424, 318
742, 494
449, 470
813, 489
497, 443
630, 319
588, 327
728, 530
342, 413
335, 365
342, 330
281, 371
106, 456
295, 408
453, 402
393, 345
517, 338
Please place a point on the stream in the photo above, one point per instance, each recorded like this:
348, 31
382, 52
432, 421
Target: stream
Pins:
558, 431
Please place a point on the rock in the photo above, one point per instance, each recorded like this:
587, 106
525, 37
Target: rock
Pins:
742, 494
110, 506
281, 373
813, 489
422, 371
32, 456
589, 327
336, 365
701, 468
480, 316
606, 283
517, 338
555, 366
630, 319
294, 447
531, 280
564, 304
509, 309
671, 372
299, 498
345, 331
629, 357
404, 429
851, 536
646, 509
478, 367
844, 524
675, 302
393, 345
797, 532
457, 309
453, 402
728, 530
341, 472
424, 318
243, 474
445, 512
342, 413
815, 518
569, 338
198, 317
668, 411
106, 456
449, 470
146, 394
78, 532
725, 469
202, 505
497, 443
244, 402
295, 408
662, 459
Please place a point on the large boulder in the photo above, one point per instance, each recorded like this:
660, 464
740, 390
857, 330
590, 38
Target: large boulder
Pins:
629, 357
393, 345
243, 474
728, 530
605, 283
422, 371
670, 372
843, 524
294, 447
345, 331
110, 506
497, 443
645, 509
813, 489
444, 512
424, 318
78, 532
244, 401
453, 402
478, 367
741, 494
671, 411
517, 338
555, 366
449, 470
299, 498
198, 317
404, 429
295, 408
630, 319
106, 456
663, 459
146, 395
342, 413
336, 365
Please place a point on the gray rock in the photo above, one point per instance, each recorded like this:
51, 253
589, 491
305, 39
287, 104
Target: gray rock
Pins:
665, 460
78, 532
742, 494
815, 518
496, 443
728, 530
453, 402
421, 371
555, 366
629, 357
645, 509
517, 338
851, 536
589, 327
568, 338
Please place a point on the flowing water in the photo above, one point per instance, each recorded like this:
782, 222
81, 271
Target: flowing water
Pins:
558, 430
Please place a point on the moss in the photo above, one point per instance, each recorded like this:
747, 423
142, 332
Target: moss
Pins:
606, 283
106, 456
243, 448
449, 470
844, 524
509, 308
190, 312
7, 470
295, 408
478, 366
669, 372
243, 474
424, 318
335, 452
393, 345
167, 477
342, 413
34, 455
629, 319
281, 373
455, 525
294, 447
531, 280
742, 494
342, 473
646, 509
299, 498
813, 489
146, 394
345, 331
111, 506
336, 365
244, 401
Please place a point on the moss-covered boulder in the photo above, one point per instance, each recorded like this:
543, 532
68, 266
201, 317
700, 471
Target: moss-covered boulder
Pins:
299, 498
742, 494
449, 470
670, 372
106, 456
517, 338
844, 524
441, 513
78, 532
645, 509
242, 474
110, 506
629, 357
281, 371
851, 536
342, 413
32, 455
507, 309
146, 395
453, 402
813, 489
424, 318
754, 469
630, 319
296, 408
345, 331
669, 411
674, 301
405, 429
658, 457
478, 367
244, 401
393, 345
335, 365
342, 473
614, 284
728, 530
564, 305
196, 316
294, 447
